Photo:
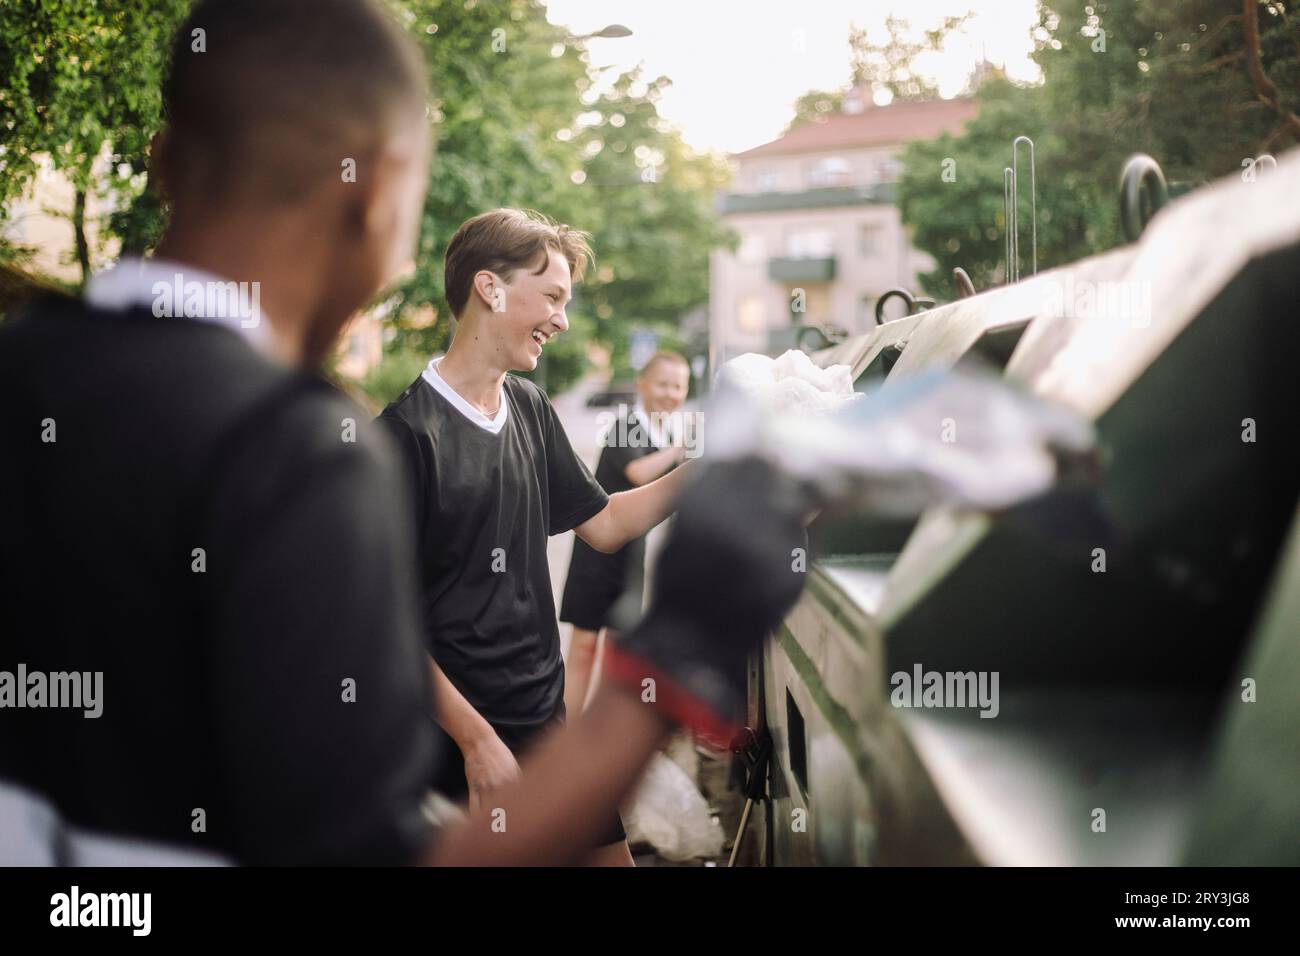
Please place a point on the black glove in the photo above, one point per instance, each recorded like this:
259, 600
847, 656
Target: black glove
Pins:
729, 574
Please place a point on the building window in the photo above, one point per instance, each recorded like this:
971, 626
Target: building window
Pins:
753, 250
866, 312
810, 244
751, 315
830, 171
769, 180
870, 237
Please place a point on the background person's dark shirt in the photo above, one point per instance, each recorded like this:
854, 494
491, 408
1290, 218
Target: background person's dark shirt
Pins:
223, 691
602, 587
485, 504
626, 441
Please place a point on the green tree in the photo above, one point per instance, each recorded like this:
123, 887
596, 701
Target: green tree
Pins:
648, 198
81, 82
516, 119
506, 81
886, 64
816, 105
1168, 77
889, 63
1171, 79
951, 192
519, 122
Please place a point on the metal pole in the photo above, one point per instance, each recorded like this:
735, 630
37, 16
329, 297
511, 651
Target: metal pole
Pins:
740, 834
1033, 202
1009, 220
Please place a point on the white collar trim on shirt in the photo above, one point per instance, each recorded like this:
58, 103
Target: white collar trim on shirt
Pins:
167, 287
651, 425
493, 425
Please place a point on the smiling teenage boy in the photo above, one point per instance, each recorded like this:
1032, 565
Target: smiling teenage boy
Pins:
493, 475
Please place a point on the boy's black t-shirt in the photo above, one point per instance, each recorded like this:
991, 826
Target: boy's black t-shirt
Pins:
485, 504
191, 521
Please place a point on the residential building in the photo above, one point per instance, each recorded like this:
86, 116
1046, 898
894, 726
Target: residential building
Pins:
820, 236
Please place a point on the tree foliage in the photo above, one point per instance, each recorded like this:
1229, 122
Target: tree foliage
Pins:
517, 118
648, 198
1166, 77
520, 122
816, 105
889, 63
80, 81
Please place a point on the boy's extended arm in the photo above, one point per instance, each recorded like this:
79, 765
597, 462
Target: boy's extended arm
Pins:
630, 514
647, 468
725, 579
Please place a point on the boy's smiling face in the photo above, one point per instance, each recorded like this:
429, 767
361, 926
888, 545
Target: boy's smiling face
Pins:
528, 312
663, 385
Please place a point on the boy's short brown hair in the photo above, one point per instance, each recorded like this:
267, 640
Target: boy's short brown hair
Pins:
504, 240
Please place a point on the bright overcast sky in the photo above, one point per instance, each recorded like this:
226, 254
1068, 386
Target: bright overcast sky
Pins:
737, 66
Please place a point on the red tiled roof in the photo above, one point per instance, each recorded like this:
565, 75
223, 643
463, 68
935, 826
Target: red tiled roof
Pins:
874, 126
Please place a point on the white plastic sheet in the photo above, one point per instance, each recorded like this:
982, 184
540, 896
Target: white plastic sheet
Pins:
667, 811
791, 384
960, 437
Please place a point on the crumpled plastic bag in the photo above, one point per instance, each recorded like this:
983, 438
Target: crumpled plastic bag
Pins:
961, 437
792, 383
668, 811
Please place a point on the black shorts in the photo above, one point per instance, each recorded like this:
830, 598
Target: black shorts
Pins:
597, 582
449, 771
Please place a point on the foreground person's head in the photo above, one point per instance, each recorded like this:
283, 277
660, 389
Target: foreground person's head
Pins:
509, 275
302, 120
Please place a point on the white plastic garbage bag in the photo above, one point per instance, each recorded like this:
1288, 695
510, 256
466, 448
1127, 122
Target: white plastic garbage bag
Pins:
791, 384
667, 811
960, 437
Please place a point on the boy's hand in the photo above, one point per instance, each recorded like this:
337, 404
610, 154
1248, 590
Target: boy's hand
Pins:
728, 575
489, 765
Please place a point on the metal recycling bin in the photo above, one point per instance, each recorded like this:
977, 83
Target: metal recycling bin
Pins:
1116, 612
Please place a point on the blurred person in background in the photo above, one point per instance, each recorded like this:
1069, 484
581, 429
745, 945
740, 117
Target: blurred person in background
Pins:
642, 444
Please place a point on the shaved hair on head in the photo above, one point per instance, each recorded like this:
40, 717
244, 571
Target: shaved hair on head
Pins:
266, 100
665, 357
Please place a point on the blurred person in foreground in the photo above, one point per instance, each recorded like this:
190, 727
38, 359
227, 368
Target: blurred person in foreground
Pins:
639, 446
193, 515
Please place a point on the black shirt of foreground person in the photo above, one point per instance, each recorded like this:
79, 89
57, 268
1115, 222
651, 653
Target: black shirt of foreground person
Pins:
485, 504
225, 690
